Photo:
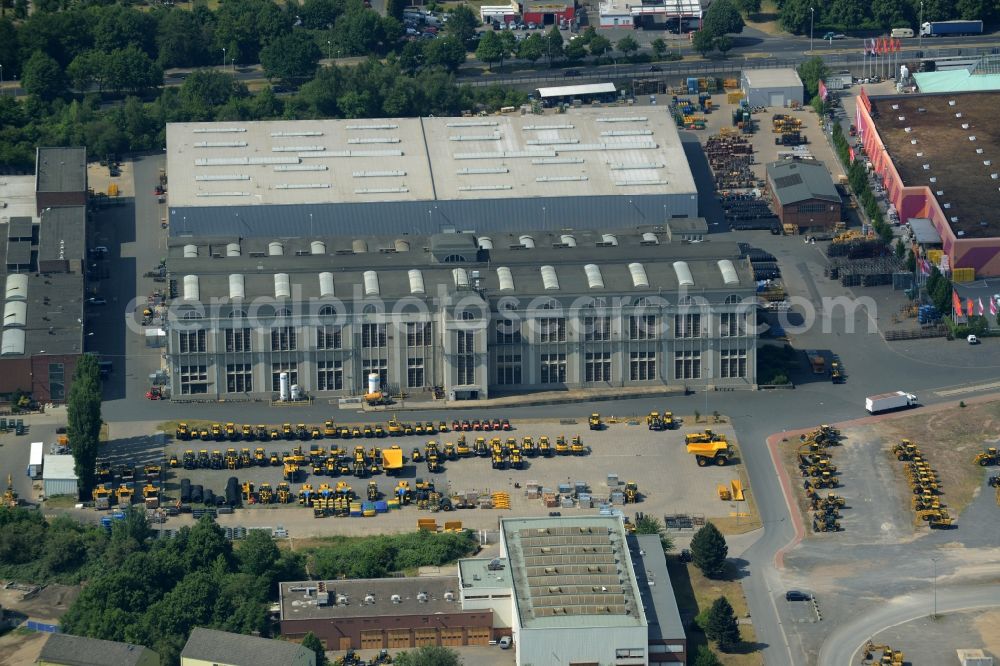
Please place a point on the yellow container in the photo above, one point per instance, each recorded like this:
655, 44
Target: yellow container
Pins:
393, 503
934, 256
963, 274
370, 513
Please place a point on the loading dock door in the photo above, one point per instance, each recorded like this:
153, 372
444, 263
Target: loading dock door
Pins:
451, 637
371, 640
345, 643
777, 100
479, 636
399, 638
423, 637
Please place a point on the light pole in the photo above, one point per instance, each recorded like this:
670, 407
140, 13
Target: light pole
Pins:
920, 27
223, 58
329, 50
934, 565
812, 20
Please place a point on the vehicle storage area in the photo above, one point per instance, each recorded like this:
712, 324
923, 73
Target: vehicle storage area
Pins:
598, 475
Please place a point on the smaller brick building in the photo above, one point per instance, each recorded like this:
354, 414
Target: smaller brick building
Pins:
804, 194
382, 613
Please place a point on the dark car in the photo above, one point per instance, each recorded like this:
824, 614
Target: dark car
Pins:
796, 595
655, 68
685, 555
571, 72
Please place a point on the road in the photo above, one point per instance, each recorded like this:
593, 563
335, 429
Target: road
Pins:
842, 646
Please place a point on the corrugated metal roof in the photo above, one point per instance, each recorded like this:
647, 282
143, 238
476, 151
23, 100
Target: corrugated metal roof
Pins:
954, 81
582, 89
58, 467
795, 181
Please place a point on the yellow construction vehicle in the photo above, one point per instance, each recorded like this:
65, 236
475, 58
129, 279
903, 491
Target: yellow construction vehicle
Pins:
707, 453
360, 462
576, 446
329, 429
528, 447
417, 455
443, 426
432, 457
449, 451
824, 480
706, 437
287, 432
344, 432
259, 456
218, 434
102, 497
544, 447
905, 450
403, 493
562, 448
392, 460
595, 421
356, 432
462, 449
498, 454
481, 449
668, 420
125, 494
631, 492
231, 431
284, 492
151, 496
306, 494
515, 457
654, 421
408, 430
232, 459
204, 434
418, 429
247, 491
10, 495
264, 493
887, 656
379, 430
373, 491
291, 471
368, 431
825, 522
246, 458
315, 433
395, 427
990, 456
173, 462
182, 432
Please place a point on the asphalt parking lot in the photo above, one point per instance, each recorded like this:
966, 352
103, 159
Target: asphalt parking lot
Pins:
669, 479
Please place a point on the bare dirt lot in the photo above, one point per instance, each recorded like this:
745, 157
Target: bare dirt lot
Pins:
669, 480
21, 647
874, 483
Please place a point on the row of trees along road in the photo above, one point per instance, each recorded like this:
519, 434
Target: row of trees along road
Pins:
879, 15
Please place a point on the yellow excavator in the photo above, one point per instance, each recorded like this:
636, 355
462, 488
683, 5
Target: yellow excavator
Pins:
10, 495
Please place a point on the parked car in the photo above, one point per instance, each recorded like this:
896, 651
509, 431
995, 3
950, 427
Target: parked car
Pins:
834, 35
973, 340
655, 68
96, 300
505, 642
571, 72
796, 595
531, 25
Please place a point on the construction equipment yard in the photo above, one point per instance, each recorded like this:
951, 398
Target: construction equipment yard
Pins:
668, 480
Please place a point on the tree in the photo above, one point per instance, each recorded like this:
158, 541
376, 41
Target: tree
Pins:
490, 50
9, 45
848, 13
576, 50
722, 18
83, 426
508, 45
599, 45
627, 45
119, 27
888, 13
412, 57
311, 642
532, 48
42, 77
321, 14
706, 657
554, 44
428, 655
258, 554
651, 525
703, 42
447, 52
709, 551
181, 40
87, 70
721, 625
659, 48
291, 56
811, 71
723, 44
394, 8
748, 7
462, 23
130, 69
794, 15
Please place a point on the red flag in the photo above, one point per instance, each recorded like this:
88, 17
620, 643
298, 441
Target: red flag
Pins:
899, 45
993, 307
979, 307
968, 306
956, 303
850, 151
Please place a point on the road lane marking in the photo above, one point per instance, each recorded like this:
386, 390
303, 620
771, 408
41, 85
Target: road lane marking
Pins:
968, 389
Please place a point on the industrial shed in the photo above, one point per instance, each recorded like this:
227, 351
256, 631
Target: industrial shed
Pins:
804, 194
775, 88
59, 476
427, 175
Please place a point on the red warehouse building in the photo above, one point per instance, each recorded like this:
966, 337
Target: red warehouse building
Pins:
547, 12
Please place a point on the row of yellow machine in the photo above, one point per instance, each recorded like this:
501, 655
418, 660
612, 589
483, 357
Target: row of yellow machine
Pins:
990, 456
232, 432
816, 466
883, 655
509, 453
924, 482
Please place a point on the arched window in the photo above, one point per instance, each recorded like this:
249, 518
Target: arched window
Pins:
327, 311
551, 304
238, 314
283, 312
643, 302
468, 316
192, 314
454, 259
369, 309
685, 300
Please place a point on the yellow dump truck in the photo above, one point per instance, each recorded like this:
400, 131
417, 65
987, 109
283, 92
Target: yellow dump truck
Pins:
707, 453
392, 461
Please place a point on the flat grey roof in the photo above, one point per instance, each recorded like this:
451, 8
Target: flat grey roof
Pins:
370, 597
658, 599
19, 227
61, 233
18, 193
565, 572
18, 253
585, 152
58, 467
793, 181
61, 170
227, 648
80, 651
476, 573
781, 77
924, 231
572, 91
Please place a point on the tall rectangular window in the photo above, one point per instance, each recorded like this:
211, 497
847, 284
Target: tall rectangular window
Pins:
466, 342
508, 332
642, 327
239, 378
329, 336
553, 368
415, 372
194, 379
283, 338
508, 369
291, 367
380, 366
642, 366
418, 334
551, 329
687, 365
687, 325
238, 340
373, 336
729, 324
329, 375
57, 381
596, 329
192, 341
733, 363
597, 367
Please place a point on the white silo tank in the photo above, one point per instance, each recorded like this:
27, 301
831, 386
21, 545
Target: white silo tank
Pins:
284, 393
296, 392
374, 382
904, 73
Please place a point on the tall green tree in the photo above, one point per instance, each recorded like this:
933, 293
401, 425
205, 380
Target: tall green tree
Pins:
709, 551
532, 48
291, 57
599, 45
395, 8
847, 13
748, 7
627, 46
652, 525
489, 50
462, 23
447, 53
794, 15
724, 44
181, 40
553, 44
722, 18
703, 41
42, 77
811, 71
659, 48
721, 625
83, 427
576, 50
428, 655
316, 645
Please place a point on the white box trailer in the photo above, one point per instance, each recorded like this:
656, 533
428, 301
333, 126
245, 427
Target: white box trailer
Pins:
35, 460
888, 401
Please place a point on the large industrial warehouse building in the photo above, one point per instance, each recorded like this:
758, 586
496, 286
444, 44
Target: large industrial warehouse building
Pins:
459, 315
427, 175
938, 157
